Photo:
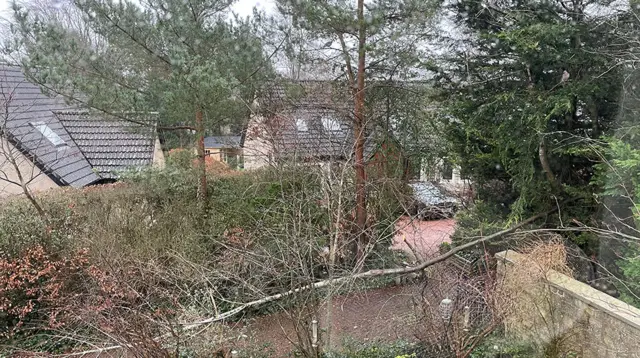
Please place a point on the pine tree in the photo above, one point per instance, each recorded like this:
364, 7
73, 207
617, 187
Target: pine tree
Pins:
186, 60
374, 41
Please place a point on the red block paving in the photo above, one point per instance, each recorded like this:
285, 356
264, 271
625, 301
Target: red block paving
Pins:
422, 236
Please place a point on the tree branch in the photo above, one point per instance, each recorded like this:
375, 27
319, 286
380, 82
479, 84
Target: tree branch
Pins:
325, 283
372, 273
544, 161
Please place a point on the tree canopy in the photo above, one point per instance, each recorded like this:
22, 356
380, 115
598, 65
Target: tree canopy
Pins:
166, 56
515, 119
188, 61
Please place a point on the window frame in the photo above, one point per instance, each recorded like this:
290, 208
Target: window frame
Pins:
302, 125
50, 135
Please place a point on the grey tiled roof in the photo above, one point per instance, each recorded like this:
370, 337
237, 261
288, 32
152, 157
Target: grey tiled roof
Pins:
111, 145
222, 142
311, 102
27, 108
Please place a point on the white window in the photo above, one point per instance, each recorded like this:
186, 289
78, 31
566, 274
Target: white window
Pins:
330, 124
302, 125
48, 133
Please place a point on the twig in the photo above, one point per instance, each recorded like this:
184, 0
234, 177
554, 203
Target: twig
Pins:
371, 273
325, 283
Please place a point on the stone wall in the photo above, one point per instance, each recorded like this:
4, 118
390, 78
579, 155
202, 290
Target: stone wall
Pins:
560, 314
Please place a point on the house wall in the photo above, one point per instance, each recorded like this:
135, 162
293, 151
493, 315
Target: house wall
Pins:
216, 154
582, 320
456, 184
26, 168
158, 155
256, 150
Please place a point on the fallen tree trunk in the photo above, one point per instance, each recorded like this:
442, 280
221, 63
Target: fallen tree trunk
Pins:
325, 283
370, 273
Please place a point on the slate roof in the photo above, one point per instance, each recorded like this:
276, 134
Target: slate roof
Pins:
312, 103
110, 144
222, 142
28, 123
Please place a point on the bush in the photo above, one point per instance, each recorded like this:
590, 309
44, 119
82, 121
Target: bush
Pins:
32, 287
630, 266
496, 347
21, 228
264, 233
398, 349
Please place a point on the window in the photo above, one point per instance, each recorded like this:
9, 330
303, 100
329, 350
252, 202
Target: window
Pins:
447, 171
330, 124
301, 124
231, 158
48, 133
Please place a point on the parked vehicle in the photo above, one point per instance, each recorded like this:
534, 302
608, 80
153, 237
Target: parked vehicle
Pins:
431, 202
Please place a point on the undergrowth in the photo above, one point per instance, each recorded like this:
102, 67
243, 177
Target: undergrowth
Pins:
152, 258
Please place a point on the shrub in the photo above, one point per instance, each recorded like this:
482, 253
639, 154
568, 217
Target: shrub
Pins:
180, 158
399, 349
34, 288
264, 233
497, 346
20, 228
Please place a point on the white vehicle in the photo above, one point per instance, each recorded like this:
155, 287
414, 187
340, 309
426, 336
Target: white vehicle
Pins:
431, 202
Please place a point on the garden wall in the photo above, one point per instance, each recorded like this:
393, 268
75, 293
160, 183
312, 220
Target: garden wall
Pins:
565, 317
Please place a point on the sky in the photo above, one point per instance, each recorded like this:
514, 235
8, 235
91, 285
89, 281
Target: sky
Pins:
242, 7
245, 7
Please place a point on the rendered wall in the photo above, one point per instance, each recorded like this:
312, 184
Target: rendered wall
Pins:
38, 180
578, 319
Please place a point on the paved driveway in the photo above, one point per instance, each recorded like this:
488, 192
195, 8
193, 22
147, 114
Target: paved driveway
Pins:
423, 236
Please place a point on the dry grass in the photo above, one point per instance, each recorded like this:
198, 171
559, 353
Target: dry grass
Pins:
530, 307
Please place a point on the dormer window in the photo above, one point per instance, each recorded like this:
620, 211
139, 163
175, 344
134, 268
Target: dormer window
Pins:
330, 124
48, 133
301, 124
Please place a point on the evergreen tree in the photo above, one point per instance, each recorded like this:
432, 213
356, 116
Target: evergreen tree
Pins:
528, 91
377, 41
184, 59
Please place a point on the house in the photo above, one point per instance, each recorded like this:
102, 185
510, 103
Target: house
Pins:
46, 143
303, 122
312, 122
448, 176
113, 145
225, 149
299, 122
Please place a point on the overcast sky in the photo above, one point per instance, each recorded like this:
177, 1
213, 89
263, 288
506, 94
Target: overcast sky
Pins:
242, 7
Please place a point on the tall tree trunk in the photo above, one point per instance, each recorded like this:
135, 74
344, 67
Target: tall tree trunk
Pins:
359, 132
202, 165
544, 161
